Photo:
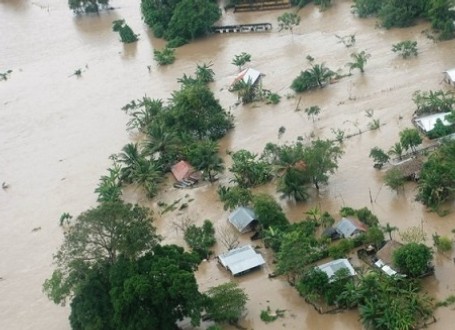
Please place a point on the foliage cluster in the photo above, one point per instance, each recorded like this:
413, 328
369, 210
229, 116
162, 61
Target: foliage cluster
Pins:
126, 33
405, 48
384, 302
87, 6
399, 13
201, 239
181, 20
413, 259
437, 178
165, 56
317, 76
428, 102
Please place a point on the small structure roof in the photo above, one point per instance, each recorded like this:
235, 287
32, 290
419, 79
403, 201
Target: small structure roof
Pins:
248, 75
348, 227
427, 123
410, 167
241, 259
182, 170
241, 218
386, 252
332, 267
451, 74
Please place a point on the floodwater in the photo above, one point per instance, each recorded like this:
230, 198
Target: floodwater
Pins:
57, 132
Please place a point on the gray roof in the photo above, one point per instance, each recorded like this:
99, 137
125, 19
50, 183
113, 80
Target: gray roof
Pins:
332, 267
241, 259
348, 227
241, 218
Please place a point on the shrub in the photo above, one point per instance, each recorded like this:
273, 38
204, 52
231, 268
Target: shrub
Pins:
165, 56
405, 48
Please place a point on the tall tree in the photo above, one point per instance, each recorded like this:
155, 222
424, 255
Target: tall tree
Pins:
321, 159
437, 178
99, 235
226, 302
388, 229
410, 139
204, 156
288, 21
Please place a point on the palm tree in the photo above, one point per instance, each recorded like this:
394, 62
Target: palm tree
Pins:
246, 90
147, 175
129, 159
388, 229
204, 156
320, 74
313, 111
314, 214
160, 140
293, 185
360, 59
204, 73
397, 150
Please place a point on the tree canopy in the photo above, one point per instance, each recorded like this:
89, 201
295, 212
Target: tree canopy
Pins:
413, 259
99, 235
184, 20
87, 6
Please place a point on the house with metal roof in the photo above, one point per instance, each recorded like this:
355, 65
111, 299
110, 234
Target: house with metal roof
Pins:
248, 75
385, 257
243, 219
449, 76
241, 260
427, 123
348, 228
330, 268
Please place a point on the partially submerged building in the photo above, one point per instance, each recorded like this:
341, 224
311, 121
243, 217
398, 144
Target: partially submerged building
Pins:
349, 228
241, 260
243, 219
248, 76
427, 123
182, 170
330, 268
449, 76
410, 168
385, 257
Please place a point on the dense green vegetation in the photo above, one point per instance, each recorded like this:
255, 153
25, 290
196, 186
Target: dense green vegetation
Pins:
180, 21
413, 259
317, 76
399, 13
126, 33
437, 178
87, 6
405, 48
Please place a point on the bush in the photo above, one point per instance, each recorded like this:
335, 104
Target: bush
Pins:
405, 48
165, 56
341, 249
126, 33
273, 98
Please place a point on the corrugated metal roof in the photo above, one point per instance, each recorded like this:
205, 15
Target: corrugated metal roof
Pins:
332, 267
451, 74
247, 75
427, 123
181, 170
241, 218
347, 227
241, 259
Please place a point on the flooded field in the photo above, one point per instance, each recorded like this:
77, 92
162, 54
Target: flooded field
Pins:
58, 130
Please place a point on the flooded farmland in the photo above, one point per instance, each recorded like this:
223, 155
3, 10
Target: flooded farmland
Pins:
57, 131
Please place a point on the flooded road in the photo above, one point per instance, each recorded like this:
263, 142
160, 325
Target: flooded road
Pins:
57, 132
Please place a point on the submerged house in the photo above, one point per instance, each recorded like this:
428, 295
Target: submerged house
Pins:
183, 170
410, 168
241, 260
243, 219
427, 123
330, 268
385, 257
247, 75
349, 228
449, 76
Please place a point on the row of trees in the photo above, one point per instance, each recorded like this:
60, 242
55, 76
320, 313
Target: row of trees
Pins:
394, 13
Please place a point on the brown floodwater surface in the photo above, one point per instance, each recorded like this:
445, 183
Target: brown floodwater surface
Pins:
58, 130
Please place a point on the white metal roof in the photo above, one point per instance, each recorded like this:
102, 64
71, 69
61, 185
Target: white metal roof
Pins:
451, 74
332, 267
248, 75
427, 123
241, 259
241, 218
385, 268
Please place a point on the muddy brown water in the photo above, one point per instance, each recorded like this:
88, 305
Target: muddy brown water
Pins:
57, 131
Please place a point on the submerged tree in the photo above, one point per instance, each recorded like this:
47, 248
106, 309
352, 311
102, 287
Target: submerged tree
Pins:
165, 56
405, 48
317, 76
288, 21
359, 61
410, 139
126, 33
241, 59
87, 6
226, 302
